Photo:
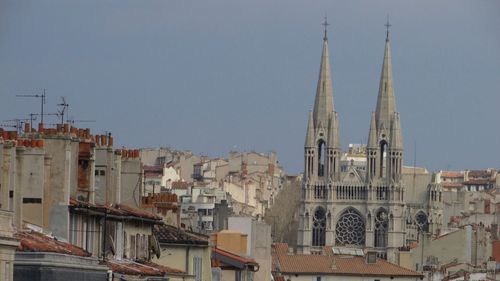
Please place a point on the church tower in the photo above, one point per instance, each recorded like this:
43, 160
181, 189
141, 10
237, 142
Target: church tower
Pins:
384, 168
321, 163
353, 206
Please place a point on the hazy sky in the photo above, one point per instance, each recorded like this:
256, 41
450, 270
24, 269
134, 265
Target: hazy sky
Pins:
211, 76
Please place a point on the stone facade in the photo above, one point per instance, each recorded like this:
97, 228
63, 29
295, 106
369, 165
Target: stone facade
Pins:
360, 204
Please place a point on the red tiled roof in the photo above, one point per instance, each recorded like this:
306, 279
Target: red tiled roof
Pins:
479, 181
129, 267
452, 174
234, 256
152, 175
117, 210
479, 173
331, 264
153, 168
180, 184
32, 241
452, 184
173, 235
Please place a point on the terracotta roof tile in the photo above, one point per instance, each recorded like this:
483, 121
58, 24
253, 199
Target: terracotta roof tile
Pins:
172, 235
180, 184
452, 174
117, 210
129, 267
234, 256
32, 241
337, 265
452, 184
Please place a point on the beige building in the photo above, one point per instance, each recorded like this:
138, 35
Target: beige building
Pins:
186, 251
230, 261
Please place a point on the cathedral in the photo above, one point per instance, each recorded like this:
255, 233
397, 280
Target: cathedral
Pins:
381, 207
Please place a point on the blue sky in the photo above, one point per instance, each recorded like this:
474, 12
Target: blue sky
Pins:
211, 76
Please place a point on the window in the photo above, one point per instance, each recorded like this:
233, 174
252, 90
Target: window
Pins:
383, 148
319, 225
318, 278
7, 271
350, 228
321, 158
381, 228
197, 268
132, 247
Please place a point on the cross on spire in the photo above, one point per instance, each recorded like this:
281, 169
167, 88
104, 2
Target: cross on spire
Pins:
387, 26
325, 24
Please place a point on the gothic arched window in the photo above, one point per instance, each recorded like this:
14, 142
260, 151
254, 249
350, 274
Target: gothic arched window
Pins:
422, 221
381, 228
350, 228
319, 225
321, 158
383, 151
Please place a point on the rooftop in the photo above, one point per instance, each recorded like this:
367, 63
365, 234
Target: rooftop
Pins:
223, 258
335, 264
32, 241
169, 234
129, 267
118, 210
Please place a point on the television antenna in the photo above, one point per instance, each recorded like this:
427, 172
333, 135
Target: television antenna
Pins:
41, 97
64, 108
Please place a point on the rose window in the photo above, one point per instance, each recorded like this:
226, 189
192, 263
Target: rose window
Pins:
350, 229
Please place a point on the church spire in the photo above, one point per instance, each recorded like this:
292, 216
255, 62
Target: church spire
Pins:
310, 132
386, 105
396, 139
372, 135
323, 104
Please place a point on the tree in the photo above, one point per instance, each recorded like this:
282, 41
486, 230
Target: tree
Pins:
283, 214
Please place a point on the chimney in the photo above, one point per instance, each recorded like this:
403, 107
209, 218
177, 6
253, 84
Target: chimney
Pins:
40, 127
27, 127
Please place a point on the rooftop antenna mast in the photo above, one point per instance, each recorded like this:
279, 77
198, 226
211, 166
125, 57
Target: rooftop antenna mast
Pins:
64, 109
32, 118
18, 124
42, 100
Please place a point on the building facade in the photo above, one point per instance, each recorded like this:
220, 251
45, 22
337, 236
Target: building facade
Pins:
352, 206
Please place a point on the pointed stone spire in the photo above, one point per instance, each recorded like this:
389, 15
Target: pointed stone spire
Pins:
323, 104
372, 135
386, 105
331, 130
396, 138
310, 132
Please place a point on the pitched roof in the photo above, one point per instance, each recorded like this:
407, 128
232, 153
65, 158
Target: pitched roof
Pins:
225, 258
452, 174
118, 210
129, 267
169, 234
330, 264
32, 241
